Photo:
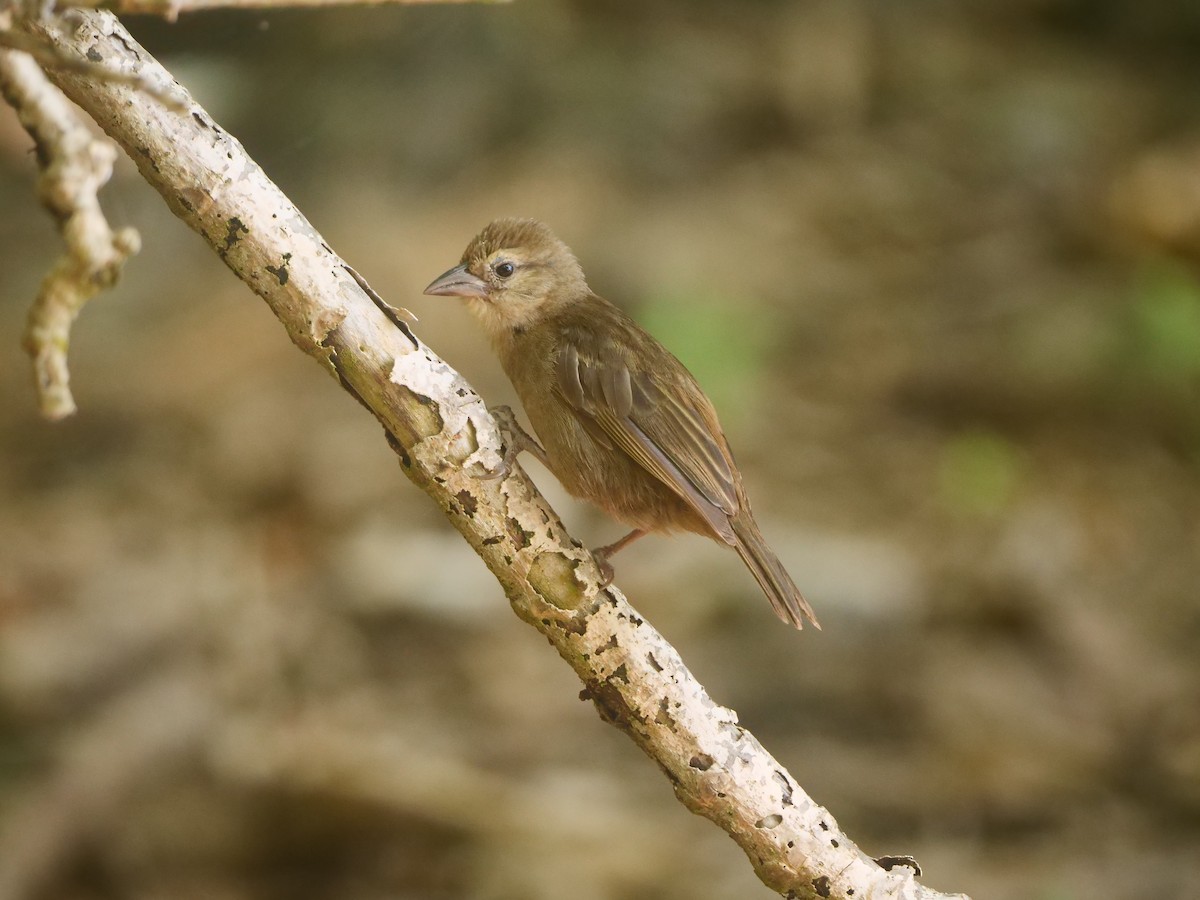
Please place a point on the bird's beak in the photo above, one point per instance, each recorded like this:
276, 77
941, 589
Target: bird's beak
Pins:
458, 282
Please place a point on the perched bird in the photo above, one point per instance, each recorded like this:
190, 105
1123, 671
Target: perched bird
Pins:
623, 423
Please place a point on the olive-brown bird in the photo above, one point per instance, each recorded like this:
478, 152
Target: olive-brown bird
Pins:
623, 423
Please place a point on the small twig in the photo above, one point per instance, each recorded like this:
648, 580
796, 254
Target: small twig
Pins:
74, 165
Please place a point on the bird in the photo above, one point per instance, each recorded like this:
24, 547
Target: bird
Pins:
621, 421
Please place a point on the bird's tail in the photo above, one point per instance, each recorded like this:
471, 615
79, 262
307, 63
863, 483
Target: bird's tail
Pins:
768, 571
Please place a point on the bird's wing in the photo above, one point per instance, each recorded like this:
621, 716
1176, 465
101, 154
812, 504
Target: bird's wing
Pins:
665, 431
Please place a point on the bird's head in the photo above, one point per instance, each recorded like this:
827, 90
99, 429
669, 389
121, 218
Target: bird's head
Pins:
514, 273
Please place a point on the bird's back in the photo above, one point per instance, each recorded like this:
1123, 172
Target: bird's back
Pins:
601, 339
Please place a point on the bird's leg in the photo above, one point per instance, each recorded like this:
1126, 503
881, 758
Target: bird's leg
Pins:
602, 555
515, 440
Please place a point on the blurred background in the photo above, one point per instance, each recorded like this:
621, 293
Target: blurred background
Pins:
933, 261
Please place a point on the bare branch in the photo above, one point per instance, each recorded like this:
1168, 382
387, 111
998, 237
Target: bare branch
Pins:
74, 165
439, 427
48, 57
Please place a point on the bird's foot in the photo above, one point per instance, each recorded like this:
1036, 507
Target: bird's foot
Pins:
607, 572
515, 440
603, 554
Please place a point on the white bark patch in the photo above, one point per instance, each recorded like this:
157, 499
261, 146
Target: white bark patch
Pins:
323, 324
467, 426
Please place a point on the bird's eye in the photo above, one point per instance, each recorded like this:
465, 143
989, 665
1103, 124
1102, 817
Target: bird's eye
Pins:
505, 269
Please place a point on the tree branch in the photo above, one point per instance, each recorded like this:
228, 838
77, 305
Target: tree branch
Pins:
440, 428
75, 165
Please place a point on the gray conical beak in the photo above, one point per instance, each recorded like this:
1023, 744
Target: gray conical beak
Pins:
458, 282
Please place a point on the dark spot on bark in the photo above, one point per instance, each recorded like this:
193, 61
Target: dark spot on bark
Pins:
849, 892
518, 331
823, 826
461, 392
786, 786
791, 844
610, 644
577, 625
398, 449
494, 539
519, 535
234, 232
469, 503
199, 120
610, 704
328, 341
821, 886
664, 716
890, 862
94, 55
701, 762
834, 844
281, 272
620, 674
439, 479
145, 153
720, 795
653, 662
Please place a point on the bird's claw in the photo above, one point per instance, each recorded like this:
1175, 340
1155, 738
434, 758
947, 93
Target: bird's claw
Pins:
508, 453
602, 555
607, 573
515, 439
